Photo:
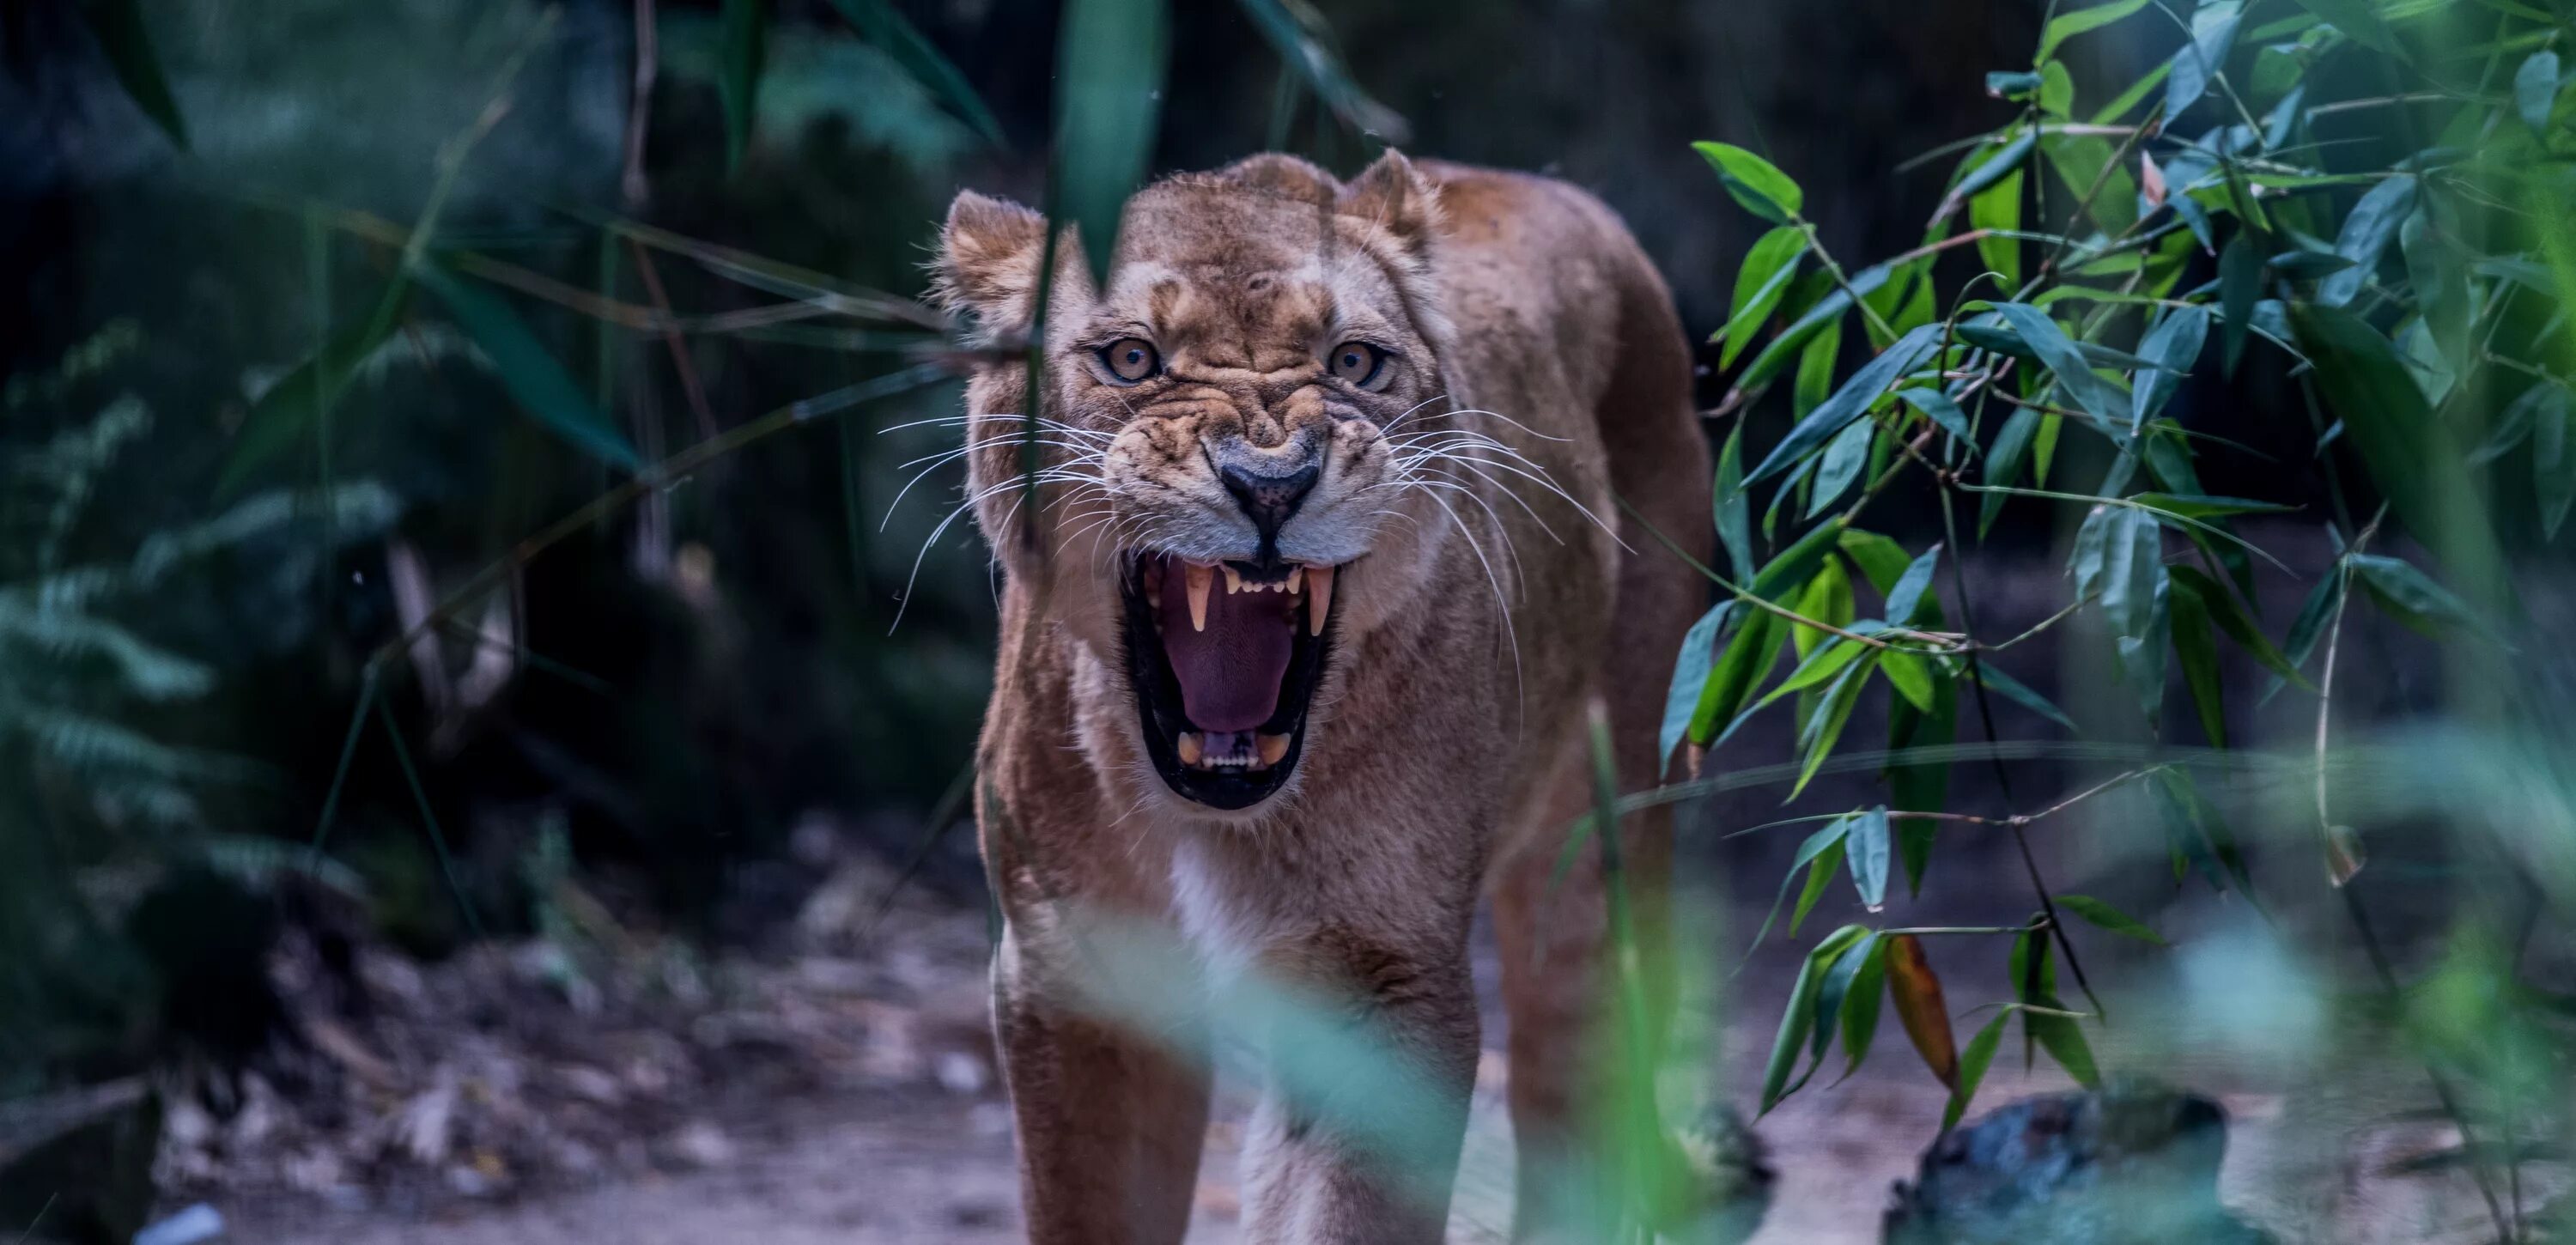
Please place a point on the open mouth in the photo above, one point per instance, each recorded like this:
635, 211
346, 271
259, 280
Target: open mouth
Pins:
1225, 660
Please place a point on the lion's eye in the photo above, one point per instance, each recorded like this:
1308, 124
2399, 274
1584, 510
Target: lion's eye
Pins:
1359, 363
1130, 359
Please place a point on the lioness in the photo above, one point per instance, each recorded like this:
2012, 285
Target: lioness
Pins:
1325, 561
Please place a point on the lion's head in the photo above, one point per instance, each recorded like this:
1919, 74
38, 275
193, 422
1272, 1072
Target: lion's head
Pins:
1231, 450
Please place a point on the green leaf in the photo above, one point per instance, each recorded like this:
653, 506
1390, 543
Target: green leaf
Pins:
2066, 26
536, 382
2012, 689
2307, 265
2135, 603
2213, 32
2003, 463
1777, 354
2240, 283
1824, 840
1759, 286
1943, 412
2553, 475
1906, 597
2109, 918
1911, 675
2310, 625
2358, 22
2073, 371
884, 25
1740, 666
2365, 235
2442, 296
1690, 678
2063, 1039
1867, 847
1816, 370
118, 27
2535, 89
1844, 456
1997, 209
1881, 560
2056, 91
2409, 453
2011, 84
1760, 187
2199, 832
2231, 618
1824, 662
1847, 404
2197, 648
1832, 712
1922, 786
1800, 1018
2199, 506
745, 48
1797, 564
1973, 1063
1734, 509
1826, 599
2005, 162
1109, 89
1860, 1005
2173, 346
1829, 1000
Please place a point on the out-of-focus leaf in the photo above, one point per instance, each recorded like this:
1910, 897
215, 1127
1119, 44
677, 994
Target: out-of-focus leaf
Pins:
2359, 22
288, 412
1308, 53
1916, 991
2063, 1039
2199, 832
2308, 265
2213, 32
2201, 506
2344, 854
2535, 89
1759, 286
1848, 402
2240, 283
2066, 26
2056, 90
2173, 346
2231, 618
1109, 91
2109, 918
1800, 1018
2553, 476
2441, 283
2011, 84
2412, 598
2408, 452
1972, 1070
2014, 690
1868, 849
535, 380
1861, 1004
2310, 625
745, 50
882, 24
118, 27
1755, 183
1690, 678
2197, 648
2366, 232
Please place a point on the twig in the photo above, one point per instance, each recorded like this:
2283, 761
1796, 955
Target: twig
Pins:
680, 361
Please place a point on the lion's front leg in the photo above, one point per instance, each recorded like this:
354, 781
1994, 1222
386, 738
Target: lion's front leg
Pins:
1357, 1136
1110, 1122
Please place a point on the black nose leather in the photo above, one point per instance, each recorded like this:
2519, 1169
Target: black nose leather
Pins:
1269, 501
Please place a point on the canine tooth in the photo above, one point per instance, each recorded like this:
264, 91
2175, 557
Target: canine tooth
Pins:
1273, 747
1192, 746
1233, 582
1319, 603
1296, 578
1200, 578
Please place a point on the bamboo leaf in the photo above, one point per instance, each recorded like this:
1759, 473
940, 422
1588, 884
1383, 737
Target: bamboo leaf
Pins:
1734, 509
1832, 712
2110, 918
1690, 678
2066, 26
2232, 619
2359, 22
1861, 1004
2240, 283
1906, 598
2535, 89
2012, 689
2365, 235
1857, 395
1916, 991
1759, 286
2173, 346
1972, 1070
536, 382
2197, 649
884, 25
1304, 46
2213, 32
744, 50
1755, 183
1109, 88
1799, 1019
1867, 847
118, 27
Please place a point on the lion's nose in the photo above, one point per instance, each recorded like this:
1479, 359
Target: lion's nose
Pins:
1269, 500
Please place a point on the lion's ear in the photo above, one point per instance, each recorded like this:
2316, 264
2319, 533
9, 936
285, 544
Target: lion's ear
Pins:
1283, 174
988, 259
1398, 197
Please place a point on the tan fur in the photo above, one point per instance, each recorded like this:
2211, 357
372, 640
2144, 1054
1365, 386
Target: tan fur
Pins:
1445, 754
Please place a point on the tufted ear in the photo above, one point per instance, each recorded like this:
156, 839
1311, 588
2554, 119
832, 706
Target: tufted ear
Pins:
1398, 197
1283, 174
988, 259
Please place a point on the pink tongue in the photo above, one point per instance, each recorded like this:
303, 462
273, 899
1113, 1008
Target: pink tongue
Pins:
1229, 673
